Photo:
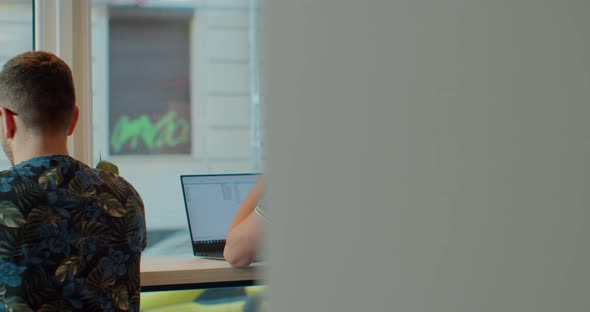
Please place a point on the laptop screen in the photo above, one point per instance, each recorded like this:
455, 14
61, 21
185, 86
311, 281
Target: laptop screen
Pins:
212, 202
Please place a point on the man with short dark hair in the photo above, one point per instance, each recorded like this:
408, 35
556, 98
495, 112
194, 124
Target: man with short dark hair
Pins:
70, 236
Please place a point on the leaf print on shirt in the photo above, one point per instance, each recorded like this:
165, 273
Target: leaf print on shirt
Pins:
89, 247
9, 244
52, 177
121, 297
136, 241
135, 216
5, 184
38, 287
10, 274
27, 193
94, 213
90, 177
78, 188
58, 239
10, 215
131, 225
62, 202
116, 185
37, 162
23, 172
106, 303
133, 266
115, 262
15, 304
92, 228
133, 205
37, 255
74, 290
80, 240
43, 214
98, 280
110, 205
72, 265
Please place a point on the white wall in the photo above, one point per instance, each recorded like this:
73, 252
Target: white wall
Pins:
428, 155
221, 112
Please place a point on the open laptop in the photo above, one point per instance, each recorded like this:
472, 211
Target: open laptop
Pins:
211, 202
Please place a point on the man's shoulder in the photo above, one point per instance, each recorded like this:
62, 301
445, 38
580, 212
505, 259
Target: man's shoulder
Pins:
6, 181
109, 177
115, 183
6, 173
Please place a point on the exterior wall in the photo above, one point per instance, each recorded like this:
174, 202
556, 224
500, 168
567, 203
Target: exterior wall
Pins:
221, 112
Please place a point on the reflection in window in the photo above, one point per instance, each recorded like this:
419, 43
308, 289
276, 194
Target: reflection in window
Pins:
175, 91
149, 82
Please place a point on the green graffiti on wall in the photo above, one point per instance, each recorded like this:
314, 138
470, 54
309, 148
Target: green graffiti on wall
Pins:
168, 131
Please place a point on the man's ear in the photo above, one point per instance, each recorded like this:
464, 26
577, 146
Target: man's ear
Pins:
74, 120
8, 124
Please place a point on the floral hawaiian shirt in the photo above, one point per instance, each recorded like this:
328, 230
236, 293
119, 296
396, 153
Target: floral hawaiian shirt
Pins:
70, 238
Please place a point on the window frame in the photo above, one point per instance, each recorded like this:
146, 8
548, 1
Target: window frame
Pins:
62, 27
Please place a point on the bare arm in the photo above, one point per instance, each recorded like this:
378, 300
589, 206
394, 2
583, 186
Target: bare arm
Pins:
243, 241
249, 204
245, 232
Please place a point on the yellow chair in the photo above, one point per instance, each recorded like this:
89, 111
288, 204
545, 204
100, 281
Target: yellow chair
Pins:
234, 299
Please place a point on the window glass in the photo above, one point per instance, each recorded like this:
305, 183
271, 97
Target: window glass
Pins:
175, 91
16, 36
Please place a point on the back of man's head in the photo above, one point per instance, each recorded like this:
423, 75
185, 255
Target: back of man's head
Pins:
39, 88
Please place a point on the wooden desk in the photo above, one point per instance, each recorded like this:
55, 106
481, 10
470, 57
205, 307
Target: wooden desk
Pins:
168, 273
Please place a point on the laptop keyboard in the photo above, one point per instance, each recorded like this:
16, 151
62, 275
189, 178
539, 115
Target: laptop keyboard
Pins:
210, 246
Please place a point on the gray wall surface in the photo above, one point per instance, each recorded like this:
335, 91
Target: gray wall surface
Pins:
428, 155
